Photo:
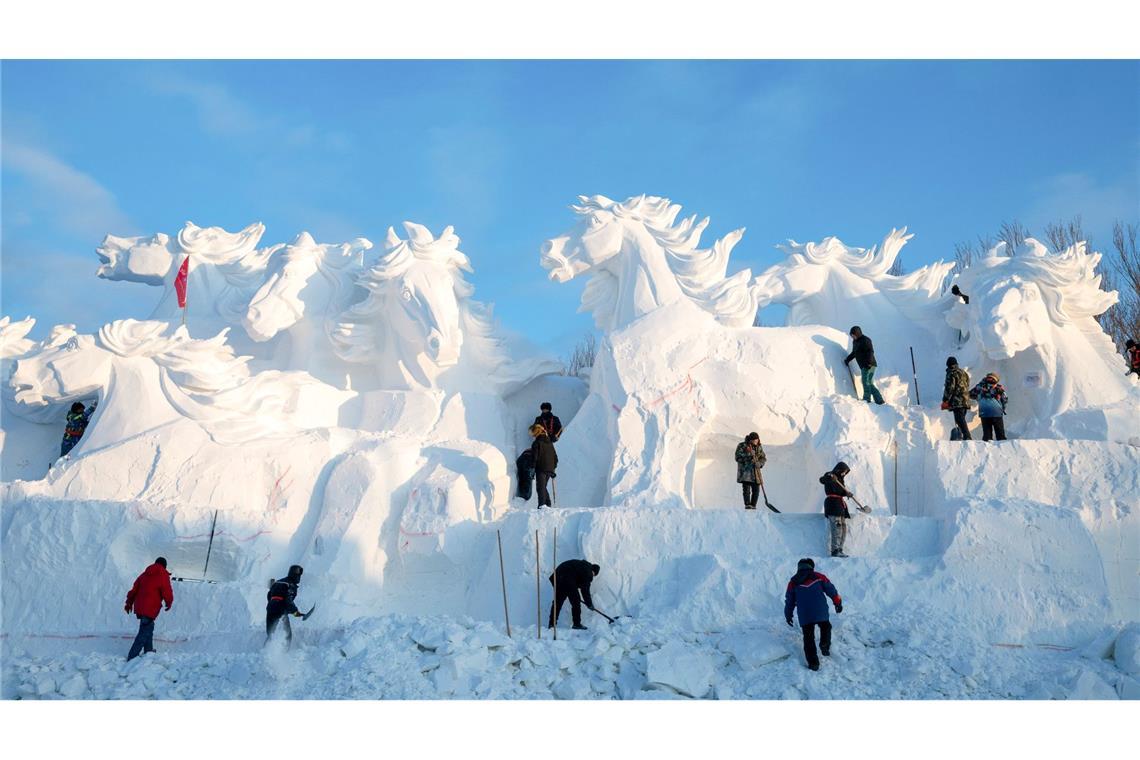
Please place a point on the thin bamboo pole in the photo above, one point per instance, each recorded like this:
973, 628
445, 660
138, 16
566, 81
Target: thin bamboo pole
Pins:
895, 446
537, 588
554, 558
210, 546
503, 578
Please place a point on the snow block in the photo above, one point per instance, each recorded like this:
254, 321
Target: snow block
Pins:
682, 668
1127, 649
753, 650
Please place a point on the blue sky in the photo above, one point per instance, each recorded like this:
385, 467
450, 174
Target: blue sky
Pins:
499, 149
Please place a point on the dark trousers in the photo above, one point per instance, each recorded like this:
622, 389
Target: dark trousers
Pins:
272, 618
809, 641
991, 427
67, 445
960, 421
570, 593
144, 639
751, 494
540, 481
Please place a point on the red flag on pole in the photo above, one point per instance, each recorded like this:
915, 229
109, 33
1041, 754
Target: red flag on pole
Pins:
180, 282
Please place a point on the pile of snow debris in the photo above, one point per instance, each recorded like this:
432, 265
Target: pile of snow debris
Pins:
400, 657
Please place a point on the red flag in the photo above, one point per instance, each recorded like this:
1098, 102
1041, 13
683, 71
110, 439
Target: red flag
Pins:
180, 282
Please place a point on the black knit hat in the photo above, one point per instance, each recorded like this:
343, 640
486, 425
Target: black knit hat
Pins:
160, 561
951, 361
805, 563
295, 572
596, 568
856, 331
841, 467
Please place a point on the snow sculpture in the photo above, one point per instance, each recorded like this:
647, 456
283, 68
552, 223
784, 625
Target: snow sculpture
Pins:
145, 379
829, 283
225, 269
419, 326
13, 337
1031, 318
305, 288
640, 260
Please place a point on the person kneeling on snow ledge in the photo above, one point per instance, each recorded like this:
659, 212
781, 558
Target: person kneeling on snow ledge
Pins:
807, 594
574, 577
991, 406
835, 507
146, 598
282, 602
750, 457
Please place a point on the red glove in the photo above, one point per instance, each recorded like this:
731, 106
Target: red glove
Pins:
945, 405
127, 608
168, 608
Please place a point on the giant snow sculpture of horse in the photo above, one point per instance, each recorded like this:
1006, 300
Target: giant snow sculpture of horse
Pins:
829, 283
419, 326
1031, 318
144, 379
306, 287
639, 259
224, 271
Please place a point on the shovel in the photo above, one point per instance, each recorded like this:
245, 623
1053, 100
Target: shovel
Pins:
607, 617
310, 612
866, 510
764, 491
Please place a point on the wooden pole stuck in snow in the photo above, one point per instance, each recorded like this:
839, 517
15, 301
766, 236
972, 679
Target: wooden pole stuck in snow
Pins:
210, 546
556, 607
895, 450
537, 588
503, 578
914, 372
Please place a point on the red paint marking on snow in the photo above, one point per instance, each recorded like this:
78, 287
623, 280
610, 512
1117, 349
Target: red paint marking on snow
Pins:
278, 489
408, 533
220, 533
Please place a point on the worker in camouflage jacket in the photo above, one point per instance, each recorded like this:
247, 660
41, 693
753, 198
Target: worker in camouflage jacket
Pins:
956, 395
750, 458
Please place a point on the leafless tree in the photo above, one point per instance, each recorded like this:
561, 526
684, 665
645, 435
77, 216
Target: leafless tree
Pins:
1122, 321
583, 355
1013, 234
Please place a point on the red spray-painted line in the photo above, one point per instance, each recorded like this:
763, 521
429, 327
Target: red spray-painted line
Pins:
408, 533
126, 637
221, 533
686, 385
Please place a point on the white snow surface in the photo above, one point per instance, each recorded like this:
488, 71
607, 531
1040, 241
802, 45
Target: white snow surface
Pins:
365, 425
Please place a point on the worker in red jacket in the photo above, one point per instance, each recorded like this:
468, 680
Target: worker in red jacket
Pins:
151, 590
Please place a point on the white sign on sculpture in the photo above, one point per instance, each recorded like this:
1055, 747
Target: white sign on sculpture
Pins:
419, 326
639, 259
1031, 317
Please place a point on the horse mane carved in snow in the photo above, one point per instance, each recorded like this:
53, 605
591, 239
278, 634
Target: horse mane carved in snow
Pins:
419, 325
639, 259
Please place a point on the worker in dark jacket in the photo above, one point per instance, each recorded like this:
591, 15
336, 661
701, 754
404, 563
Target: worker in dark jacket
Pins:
281, 602
545, 462
863, 352
574, 577
77, 420
550, 423
807, 594
835, 507
146, 598
956, 395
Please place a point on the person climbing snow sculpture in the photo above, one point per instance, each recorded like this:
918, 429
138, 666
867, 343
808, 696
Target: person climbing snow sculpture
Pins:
750, 458
574, 577
150, 592
77, 420
807, 594
1133, 352
863, 352
550, 423
835, 507
545, 462
281, 602
991, 406
965, 298
955, 395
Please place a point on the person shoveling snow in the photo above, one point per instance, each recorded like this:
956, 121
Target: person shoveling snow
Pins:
834, 506
281, 603
750, 457
807, 594
574, 577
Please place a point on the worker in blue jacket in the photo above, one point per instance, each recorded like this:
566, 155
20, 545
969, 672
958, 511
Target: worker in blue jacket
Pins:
807, 594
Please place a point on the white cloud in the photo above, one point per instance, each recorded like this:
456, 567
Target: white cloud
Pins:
219, 111
61, 194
